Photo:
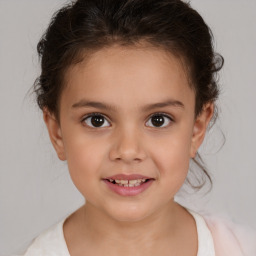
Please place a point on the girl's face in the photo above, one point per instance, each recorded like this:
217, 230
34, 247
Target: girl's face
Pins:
127, 116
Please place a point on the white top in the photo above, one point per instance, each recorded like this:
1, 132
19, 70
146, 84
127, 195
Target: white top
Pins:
205, 240
52, 241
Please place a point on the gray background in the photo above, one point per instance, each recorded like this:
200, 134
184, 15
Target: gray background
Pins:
35, 188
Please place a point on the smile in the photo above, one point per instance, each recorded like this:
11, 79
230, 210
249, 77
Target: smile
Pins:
128, 185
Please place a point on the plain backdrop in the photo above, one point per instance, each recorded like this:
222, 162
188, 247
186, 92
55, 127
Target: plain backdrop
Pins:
35, 188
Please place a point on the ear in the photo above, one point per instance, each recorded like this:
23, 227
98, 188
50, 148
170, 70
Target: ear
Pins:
200, 127
55, 135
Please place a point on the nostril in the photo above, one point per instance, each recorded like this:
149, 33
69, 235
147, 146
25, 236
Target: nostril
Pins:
127, 152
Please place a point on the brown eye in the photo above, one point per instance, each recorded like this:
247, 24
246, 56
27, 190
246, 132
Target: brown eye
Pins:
96, 121
159, 120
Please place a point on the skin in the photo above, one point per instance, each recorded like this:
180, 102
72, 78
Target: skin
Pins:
128, 81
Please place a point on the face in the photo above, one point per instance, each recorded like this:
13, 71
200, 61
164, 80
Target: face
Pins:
128, 130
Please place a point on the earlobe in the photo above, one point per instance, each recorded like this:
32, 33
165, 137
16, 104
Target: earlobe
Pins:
55, 134
200, 127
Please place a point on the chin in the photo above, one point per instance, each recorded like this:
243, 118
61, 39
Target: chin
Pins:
129, 214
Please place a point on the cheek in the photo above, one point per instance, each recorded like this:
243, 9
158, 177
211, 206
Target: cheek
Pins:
85, 157
173, 163
171, 156
172, 152
173, 168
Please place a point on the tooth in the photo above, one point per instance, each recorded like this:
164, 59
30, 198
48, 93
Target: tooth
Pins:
133, 182
128, 183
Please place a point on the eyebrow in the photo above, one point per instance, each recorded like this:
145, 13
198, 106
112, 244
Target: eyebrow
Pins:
86, 104
173, 103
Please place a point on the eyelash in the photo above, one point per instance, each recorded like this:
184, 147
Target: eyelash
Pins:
107, 119
93, 115
163, 115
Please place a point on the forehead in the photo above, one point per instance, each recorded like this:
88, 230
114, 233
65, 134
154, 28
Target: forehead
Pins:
139, 74
144, 56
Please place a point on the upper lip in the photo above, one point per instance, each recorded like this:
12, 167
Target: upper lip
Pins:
127, 177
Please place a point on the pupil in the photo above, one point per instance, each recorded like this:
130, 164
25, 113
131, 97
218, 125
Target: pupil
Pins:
157, 120
97, 121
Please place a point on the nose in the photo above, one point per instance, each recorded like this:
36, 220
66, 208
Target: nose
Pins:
127, 147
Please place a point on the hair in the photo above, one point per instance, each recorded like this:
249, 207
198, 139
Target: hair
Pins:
85, 26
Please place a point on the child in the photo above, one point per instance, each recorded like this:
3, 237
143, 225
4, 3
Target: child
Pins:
127, 90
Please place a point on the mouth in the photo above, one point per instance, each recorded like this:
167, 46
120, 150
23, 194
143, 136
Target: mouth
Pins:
128, 185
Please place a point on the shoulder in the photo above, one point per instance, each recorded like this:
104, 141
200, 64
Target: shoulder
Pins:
230, 238
50, 243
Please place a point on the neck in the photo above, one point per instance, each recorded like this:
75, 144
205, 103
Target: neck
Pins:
96, 233
144, 235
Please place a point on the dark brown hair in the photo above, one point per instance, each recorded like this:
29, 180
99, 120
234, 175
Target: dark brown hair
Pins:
89, 25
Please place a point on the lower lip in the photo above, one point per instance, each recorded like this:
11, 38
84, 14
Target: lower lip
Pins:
128, 191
